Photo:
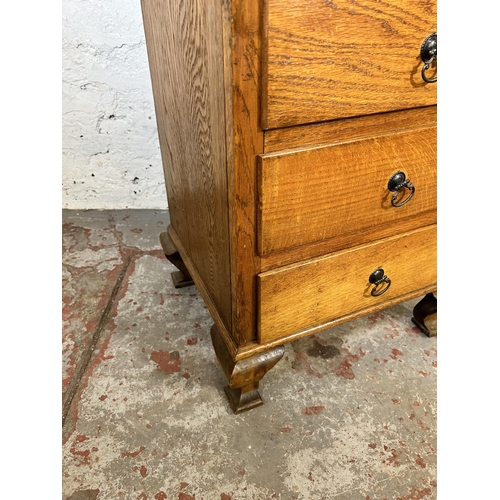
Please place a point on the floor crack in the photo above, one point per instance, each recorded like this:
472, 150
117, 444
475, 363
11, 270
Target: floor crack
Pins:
89, 349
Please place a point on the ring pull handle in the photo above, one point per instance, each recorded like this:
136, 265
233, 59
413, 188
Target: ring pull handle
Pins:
397, 182
377, 278
428, 52
425, 67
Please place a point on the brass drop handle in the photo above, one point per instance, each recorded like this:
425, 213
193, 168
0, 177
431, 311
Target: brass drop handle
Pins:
429, 52
397, 182
377, 278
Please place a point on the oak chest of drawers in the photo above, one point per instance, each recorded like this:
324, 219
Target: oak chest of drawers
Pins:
298, 140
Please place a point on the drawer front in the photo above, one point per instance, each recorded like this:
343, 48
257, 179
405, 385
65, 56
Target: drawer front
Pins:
320, 193
325, 60
300, 297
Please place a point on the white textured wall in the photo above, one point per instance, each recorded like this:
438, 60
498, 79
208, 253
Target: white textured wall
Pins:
111, 155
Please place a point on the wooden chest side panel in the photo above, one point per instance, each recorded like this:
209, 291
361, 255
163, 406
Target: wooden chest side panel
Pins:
243, 82
185, 50
335, 59
320, 193
300, 297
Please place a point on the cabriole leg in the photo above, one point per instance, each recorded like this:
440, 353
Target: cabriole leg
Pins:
182, 277
244, 375
425, 315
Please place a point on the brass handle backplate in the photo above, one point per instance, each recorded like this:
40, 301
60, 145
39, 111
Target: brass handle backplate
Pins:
397, 182
428, 53
377, 278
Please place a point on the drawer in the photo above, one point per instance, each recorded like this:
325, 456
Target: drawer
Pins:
319, 193
334, 59
303, 296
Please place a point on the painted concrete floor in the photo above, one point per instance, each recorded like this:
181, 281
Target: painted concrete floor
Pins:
349, 413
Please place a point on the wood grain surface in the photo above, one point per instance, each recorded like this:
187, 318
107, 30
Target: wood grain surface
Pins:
346, 240
205, 293
299, 297
243, 86
185, 50
224, 70
254, 347
348, 129
320, 193
328, 59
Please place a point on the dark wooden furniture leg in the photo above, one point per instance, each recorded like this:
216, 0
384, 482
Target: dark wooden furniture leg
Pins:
182, 277
244, 375
425, 315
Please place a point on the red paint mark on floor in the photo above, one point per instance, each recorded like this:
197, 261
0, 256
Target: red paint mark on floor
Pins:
83, 454
416, 494
242, 472
422, 425
142, 496
372, 445
313, 410
393, 459
394, 331
136, 230
345, 368
168, 362
161, 495
192, 341
286, 430
185, 496
133, 454
184, 485
142, 470
396, 352
420, 461
373, 318
223, 496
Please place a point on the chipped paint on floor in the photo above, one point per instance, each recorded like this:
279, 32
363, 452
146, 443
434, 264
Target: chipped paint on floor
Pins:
349, 413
